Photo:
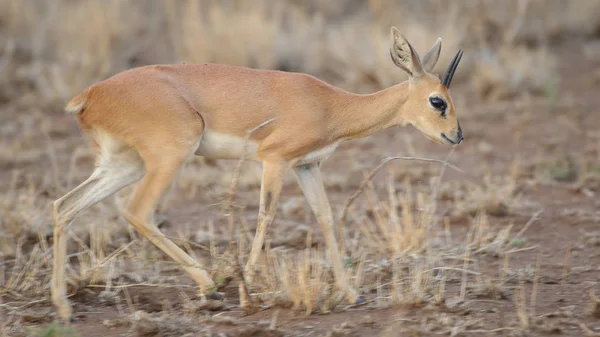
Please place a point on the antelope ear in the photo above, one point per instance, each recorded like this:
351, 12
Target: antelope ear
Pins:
432, 56
404, 55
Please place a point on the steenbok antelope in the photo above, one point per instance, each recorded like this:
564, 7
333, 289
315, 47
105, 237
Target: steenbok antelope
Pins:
145, 122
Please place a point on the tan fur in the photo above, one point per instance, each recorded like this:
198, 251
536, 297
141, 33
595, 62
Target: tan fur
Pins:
77, 104
160, 115
152, 102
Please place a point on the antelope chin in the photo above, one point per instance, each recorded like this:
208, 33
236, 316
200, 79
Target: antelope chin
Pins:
436, 139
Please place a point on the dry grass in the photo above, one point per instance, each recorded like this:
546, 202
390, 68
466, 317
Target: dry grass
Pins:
397, 242
398, 251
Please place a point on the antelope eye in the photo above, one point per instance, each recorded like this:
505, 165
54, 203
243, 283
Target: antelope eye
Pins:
438, 103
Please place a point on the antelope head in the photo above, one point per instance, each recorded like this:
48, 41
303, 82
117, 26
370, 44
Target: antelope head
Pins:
428, 105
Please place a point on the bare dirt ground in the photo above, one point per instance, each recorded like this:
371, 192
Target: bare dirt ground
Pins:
531, 164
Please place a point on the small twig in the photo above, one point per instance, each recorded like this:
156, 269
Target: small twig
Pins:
370, 176
438, 183
7, 305
114, 254
141, 285
455, 269
188, 242
236, 172
531, 220
226, 206
520, 250
491, 331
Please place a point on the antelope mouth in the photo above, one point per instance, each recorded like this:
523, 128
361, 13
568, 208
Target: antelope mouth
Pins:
450, 141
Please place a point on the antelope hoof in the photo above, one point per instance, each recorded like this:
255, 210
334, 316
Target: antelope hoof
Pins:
360, 300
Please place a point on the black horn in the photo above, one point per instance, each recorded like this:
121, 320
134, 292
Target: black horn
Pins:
451, 69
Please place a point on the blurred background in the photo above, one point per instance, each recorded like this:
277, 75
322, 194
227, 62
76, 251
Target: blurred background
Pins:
526, 94
50, 50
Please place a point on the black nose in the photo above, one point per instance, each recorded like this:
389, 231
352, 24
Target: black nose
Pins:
459, 135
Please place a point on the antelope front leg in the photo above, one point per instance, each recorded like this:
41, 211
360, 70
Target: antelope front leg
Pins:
311, 183
272, 181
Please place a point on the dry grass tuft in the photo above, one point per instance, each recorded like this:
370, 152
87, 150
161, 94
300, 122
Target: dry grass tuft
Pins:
303, 281
531, 74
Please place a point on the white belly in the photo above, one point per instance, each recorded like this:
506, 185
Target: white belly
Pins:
222, 146
319, 155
